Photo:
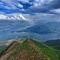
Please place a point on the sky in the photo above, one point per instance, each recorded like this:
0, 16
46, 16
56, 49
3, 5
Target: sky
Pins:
32, 6
12, 9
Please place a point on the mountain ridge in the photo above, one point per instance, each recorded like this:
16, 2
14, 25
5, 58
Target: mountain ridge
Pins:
27, 49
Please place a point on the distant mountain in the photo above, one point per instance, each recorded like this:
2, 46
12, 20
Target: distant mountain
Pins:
54, 26
44, 28
28, 49
44, 31
39, 29
54, 43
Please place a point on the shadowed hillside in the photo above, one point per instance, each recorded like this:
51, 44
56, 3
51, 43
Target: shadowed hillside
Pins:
28, 50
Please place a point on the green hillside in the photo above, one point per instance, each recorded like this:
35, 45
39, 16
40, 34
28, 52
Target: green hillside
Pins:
28, 50
2, 48
54, 44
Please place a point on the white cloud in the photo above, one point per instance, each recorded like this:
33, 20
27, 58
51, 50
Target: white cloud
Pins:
55, 11
36, 17
26, 1
14, 16
22, 17
40, 4
8, 2
14, 4
20, 5
3, 16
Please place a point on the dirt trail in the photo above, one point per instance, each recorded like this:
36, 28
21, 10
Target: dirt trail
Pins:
10, 50
38, 49
24, 54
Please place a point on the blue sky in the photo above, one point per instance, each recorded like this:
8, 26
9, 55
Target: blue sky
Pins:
32, 6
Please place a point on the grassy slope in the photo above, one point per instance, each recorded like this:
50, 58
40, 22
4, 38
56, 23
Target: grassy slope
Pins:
48, 50
2, 48
54, 44
32, 50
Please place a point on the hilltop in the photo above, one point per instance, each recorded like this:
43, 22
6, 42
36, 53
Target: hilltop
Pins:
28, 50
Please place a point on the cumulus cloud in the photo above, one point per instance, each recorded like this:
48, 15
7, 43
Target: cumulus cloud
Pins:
4, 17
13, 16
20, 4
57, 11
28, 5
28, 17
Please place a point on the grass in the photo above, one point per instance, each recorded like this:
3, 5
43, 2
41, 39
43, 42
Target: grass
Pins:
48, 51
2, 48
54, 44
